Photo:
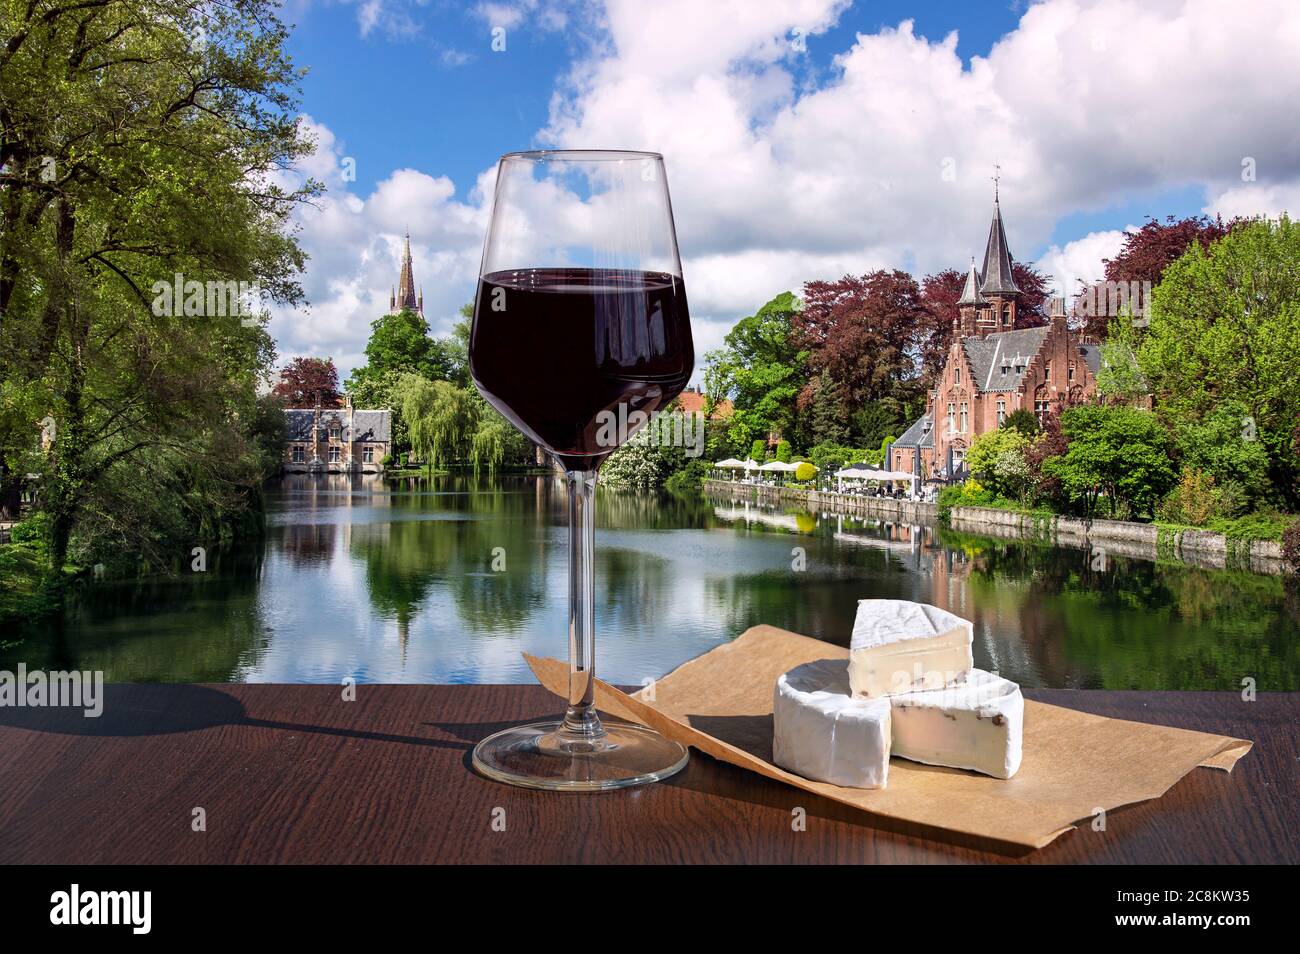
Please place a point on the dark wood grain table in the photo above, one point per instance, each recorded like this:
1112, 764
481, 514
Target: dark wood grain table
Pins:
295, 774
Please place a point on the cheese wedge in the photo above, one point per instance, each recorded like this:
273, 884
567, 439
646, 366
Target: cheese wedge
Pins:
977, 725
901, 646
823, 733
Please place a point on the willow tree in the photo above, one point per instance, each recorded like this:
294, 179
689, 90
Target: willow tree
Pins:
440, 418
141, 141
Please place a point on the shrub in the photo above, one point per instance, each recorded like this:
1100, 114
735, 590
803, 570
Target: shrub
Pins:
1193, 502
32, 531
805, 471
784, 451
758, 450
689, 479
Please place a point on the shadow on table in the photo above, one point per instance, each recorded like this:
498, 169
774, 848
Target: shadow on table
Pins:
138, 710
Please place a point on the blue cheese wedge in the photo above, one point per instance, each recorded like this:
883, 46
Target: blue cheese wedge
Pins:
823, 733
900, 646
977, 725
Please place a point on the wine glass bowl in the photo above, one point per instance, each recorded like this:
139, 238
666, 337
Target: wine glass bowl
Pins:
581, 332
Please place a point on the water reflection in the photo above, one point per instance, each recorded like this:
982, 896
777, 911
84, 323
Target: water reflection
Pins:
449, 580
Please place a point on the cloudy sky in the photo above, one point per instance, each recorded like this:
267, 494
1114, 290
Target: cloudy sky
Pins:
803, 138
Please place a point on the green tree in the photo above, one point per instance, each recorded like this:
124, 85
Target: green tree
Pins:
130, 154
997, 459
400, 344
1119, 376
1118, 453
441, 419
760, 370
1224, 327
1225, 447
1024, 421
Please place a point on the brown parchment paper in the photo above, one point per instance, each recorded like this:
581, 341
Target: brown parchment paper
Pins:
1074, 763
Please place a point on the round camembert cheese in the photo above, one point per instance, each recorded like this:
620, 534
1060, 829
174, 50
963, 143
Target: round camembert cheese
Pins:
822, 733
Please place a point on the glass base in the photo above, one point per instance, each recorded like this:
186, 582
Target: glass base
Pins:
546, 755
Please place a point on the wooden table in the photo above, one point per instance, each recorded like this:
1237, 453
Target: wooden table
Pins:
295, 774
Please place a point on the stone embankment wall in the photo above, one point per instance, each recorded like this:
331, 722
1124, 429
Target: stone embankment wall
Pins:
1105, 537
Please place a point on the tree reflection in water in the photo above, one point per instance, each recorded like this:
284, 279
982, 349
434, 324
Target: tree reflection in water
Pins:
396, 582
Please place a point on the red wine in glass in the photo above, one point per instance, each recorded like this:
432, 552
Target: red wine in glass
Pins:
567, 348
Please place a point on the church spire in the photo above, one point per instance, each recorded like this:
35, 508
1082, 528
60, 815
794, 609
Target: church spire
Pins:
998, 279
970, 293
406, 298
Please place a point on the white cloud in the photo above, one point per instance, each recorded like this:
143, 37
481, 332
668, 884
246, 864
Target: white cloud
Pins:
884, 162
1081, 261
1255, 198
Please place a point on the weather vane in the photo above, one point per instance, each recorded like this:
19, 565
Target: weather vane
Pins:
997, 172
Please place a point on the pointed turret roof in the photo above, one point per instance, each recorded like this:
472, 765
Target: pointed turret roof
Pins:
406, 299
970, 294
997, 259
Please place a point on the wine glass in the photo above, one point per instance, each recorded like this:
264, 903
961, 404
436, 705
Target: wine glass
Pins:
581, 331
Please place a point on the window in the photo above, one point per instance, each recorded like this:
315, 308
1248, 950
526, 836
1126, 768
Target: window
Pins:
1020, 369
1070, 373
336, 432
1041, 408
963, 418
1047, 370
336, 455
1006, 368
299, 454
956, 374
952, 418
1002, 412
1006, 315
367, 454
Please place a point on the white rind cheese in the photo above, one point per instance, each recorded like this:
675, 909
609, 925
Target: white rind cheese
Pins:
978, 725
901, 646
823, 733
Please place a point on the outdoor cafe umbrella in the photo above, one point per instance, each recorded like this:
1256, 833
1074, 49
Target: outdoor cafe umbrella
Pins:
860, 471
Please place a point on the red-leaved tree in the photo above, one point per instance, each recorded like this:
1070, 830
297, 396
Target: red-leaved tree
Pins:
861, 334
302, 378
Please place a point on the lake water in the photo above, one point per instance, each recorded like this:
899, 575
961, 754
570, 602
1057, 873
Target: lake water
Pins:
396, 583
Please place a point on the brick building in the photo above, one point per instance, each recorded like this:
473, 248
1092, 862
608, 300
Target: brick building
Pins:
336, 440
993, 368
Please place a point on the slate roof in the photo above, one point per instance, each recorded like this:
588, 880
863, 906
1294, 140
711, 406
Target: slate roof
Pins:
920, 434
369, 425
997, 260
970, 294
1092, 357
1010, 349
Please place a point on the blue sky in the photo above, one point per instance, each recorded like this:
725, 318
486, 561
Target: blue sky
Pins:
787, 161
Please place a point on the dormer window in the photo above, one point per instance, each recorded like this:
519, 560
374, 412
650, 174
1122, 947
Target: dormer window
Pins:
1020, 369
1006, 368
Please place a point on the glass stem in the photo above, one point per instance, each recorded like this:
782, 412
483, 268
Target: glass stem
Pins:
580, 719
